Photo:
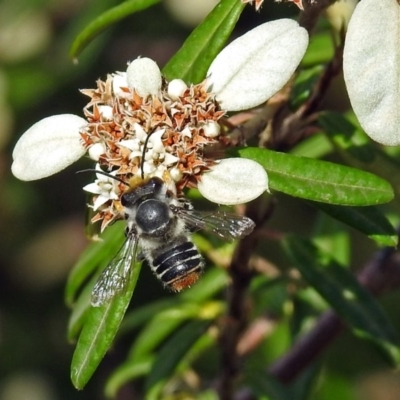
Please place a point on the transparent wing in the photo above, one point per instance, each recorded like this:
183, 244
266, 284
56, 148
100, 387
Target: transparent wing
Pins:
115, 276
225, 225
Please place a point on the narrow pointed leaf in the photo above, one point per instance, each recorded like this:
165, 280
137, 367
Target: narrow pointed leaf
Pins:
315, 146
132, 369
368, 220
212, 282
330, 236
105, 20
128, 372
173, 351
161, 326
98, 333
350, 300
191, 62
96, 254
141, 315
357, 150
267, 387
304, 85
320, 50
80, 309
321, 181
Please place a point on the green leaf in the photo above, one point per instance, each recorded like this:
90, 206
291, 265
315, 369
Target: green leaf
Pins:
106, 19
132, 369
350, 300
321, 181
96, 254
368, 220
304, 85
98, 333
351, 143
266, 387
330, 236
141, 315
80, 309
315, 146
193, 59
172, 352
128, 372
164, 323
210, 283
304, 384
320, 49
160, 327
356, 148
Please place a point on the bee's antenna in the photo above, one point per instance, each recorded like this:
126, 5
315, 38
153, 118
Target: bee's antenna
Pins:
103, 173
143, 153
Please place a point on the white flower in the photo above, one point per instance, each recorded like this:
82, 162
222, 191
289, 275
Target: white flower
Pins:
371, 66
119, 81
105, 187
48, 147
245, 74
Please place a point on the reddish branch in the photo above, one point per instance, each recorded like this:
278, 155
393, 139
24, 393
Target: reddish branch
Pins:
236, 319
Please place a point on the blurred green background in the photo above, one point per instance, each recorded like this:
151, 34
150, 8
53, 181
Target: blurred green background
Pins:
42, 223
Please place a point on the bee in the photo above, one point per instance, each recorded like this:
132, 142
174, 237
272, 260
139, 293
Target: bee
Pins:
160, 224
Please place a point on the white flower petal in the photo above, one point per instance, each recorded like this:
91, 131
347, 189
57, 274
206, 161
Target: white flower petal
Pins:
144, 76
257, 65
149, 155
234, 181
160, 171
100, 200
131, 144
148, 168
170, 159
120, 81
371, 65
156, 142
48, 147
186, 132
139, 132
92, 188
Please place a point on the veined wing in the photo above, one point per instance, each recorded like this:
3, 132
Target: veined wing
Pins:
115, 277
227, 226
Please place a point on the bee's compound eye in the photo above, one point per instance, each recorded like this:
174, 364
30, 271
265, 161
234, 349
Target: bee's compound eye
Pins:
152, 216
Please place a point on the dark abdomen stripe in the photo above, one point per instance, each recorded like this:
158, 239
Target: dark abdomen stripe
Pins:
178, 262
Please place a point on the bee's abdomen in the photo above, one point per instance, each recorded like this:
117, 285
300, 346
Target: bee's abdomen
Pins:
179, 267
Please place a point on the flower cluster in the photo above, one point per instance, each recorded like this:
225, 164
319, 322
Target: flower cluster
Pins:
151, 134
138, 125
147, 128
